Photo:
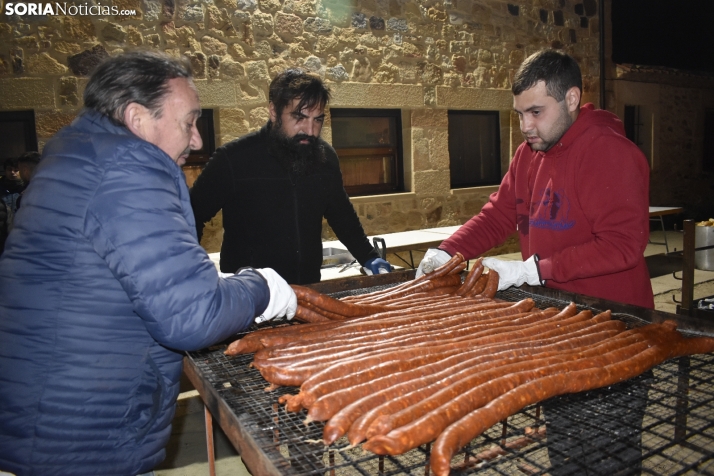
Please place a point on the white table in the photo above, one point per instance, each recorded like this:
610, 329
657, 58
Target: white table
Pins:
656, 214
406, 241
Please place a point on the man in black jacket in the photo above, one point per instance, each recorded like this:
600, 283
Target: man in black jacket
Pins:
276, 185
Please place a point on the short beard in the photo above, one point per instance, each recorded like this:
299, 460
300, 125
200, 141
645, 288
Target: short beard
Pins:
560, 127
300, 159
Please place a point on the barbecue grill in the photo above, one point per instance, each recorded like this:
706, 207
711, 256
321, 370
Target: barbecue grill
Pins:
677, 434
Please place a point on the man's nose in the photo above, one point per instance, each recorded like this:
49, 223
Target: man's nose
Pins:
526, 125
310, 129
196, 141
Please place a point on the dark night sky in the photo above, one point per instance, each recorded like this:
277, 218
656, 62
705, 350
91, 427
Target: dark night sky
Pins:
670, 33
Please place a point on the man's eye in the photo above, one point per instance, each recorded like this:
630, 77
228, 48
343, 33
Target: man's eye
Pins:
320, 120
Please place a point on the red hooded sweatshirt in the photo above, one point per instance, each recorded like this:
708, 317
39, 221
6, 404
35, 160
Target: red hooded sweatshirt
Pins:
582, 206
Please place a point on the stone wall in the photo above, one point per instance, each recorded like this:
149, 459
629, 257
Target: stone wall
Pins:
422, 56
674, 104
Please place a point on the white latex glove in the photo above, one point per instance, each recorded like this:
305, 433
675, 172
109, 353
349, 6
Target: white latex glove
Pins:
514, 273
433, 258
283, 301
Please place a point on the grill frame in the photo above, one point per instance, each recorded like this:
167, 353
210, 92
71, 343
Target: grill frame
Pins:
273, 442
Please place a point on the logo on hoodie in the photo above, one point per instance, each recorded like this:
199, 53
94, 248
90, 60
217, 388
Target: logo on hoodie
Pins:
551, 211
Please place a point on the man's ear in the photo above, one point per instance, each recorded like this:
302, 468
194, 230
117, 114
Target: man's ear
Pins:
572, 99
135, 119
273, 113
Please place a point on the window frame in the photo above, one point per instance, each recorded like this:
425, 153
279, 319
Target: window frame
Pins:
205, 126
397, 152
498, 177
27, 119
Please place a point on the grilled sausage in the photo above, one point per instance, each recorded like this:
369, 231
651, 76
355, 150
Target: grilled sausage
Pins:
478, 287
471, 278
322, 301
304, 314
426, 338
664, 344
491, 285
390, 319
450, 409
400, 399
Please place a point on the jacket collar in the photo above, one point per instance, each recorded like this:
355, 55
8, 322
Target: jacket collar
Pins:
92, 121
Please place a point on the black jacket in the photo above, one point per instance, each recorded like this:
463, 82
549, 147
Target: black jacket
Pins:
272, 218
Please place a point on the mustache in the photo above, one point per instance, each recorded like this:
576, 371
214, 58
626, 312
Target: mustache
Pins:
299, 137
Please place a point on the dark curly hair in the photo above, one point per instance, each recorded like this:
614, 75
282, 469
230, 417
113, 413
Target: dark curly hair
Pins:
297, 83
559, 70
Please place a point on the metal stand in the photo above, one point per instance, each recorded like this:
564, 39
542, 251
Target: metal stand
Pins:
209, 442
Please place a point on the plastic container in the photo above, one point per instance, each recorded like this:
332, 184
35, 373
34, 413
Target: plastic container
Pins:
704, 236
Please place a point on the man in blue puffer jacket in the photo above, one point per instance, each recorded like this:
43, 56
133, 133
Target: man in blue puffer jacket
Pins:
103, 283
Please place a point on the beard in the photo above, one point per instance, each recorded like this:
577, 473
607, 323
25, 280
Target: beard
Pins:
300, 159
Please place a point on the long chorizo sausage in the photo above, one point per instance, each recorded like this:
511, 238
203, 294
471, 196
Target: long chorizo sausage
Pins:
251, 341
665, 345
304, 314
434, 330
332, 354
445, 394
491, 285
328, 399
400, 399
346, 378
322, 301
399, 318
428, 314
430, 425
426, 285
443, 270
294, 376
478, 287
471, 278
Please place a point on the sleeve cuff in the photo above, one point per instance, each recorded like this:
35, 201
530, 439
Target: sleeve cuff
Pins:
448, 252
544, 267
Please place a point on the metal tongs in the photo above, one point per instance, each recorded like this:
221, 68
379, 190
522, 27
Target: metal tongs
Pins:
382, 252
351, 263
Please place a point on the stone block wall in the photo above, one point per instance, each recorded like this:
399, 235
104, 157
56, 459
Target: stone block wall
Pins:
422, 56
673, 106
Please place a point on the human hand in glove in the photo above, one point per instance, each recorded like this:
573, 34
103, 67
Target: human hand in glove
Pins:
283, 301
433, 258
377, 266
515, 273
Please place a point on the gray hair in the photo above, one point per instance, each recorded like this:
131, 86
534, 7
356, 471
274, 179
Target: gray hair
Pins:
139, 76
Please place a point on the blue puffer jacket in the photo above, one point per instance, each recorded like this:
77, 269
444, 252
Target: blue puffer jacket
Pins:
102, 285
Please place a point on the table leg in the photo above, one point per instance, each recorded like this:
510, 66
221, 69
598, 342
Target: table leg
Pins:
209, 442
405, 261
664, 232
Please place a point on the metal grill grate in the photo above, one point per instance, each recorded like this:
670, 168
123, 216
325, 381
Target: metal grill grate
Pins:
677, 433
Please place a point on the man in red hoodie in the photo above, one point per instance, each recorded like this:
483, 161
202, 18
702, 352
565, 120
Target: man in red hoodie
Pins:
577, 192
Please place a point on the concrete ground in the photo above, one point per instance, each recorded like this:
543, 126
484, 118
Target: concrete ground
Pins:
186, 452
